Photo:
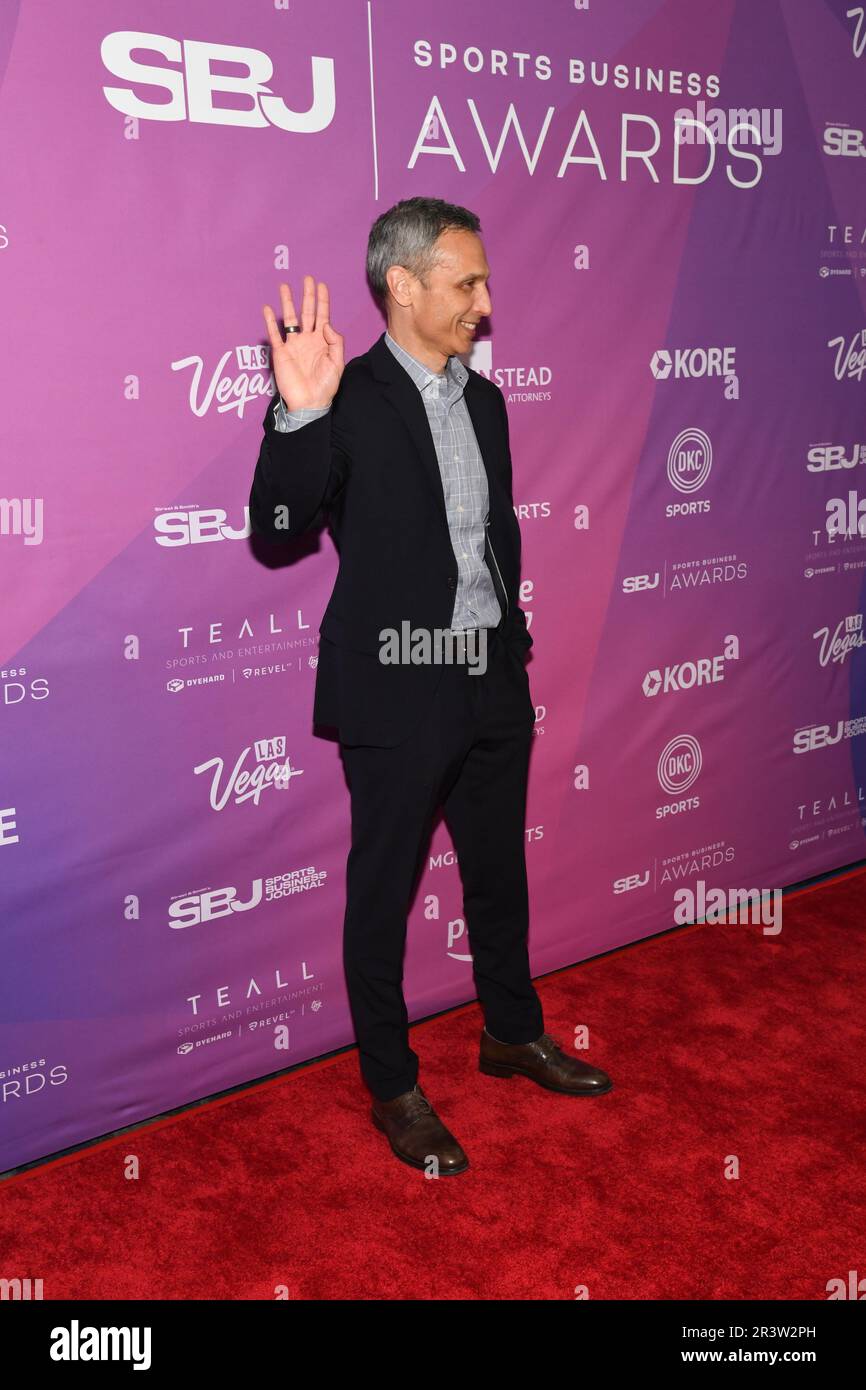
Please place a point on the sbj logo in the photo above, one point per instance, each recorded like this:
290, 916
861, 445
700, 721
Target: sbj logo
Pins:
843, 140
631, 881
192, 89
205, 907
195, 528
825, 458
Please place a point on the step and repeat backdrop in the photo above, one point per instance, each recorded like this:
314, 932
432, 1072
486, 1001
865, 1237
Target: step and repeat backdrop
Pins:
672, 196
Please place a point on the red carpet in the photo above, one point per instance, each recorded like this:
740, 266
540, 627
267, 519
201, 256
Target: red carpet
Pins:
720, 1042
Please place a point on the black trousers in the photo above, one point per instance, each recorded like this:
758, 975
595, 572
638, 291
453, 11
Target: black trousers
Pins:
471, 756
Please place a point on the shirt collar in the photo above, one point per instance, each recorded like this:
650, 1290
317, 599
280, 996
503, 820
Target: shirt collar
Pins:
455, 373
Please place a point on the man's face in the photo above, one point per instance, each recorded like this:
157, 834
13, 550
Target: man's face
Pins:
455, 294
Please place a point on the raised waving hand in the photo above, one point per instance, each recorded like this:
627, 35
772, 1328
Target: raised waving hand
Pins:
307, 365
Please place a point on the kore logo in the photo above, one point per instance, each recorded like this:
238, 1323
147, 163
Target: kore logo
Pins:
191, 91
695, 362
679, 764
689, 460
707, 670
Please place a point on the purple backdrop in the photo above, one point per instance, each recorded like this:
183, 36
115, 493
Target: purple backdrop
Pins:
681, 340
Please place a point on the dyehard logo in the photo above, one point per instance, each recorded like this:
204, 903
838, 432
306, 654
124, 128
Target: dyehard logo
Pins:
190, 85
694, 363
679, 764
685, 675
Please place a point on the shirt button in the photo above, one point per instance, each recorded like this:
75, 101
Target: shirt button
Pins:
460, 509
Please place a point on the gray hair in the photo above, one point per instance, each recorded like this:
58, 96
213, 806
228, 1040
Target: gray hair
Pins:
406, 235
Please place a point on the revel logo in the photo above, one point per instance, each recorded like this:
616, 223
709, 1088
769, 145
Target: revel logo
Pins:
191, 91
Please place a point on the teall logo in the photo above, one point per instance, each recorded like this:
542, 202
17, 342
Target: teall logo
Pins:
689, 460
679, 764
191, 90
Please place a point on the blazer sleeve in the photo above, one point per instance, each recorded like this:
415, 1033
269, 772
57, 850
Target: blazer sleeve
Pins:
300, 473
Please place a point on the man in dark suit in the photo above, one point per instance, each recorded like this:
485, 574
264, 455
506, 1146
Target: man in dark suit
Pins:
405, 451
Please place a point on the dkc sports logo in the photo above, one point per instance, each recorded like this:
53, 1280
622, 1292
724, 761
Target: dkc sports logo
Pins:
690, 459
190, 85
685, 675
679, 767
695, 363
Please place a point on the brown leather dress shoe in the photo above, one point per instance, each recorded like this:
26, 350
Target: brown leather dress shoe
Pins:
416, 1134
543, 1061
